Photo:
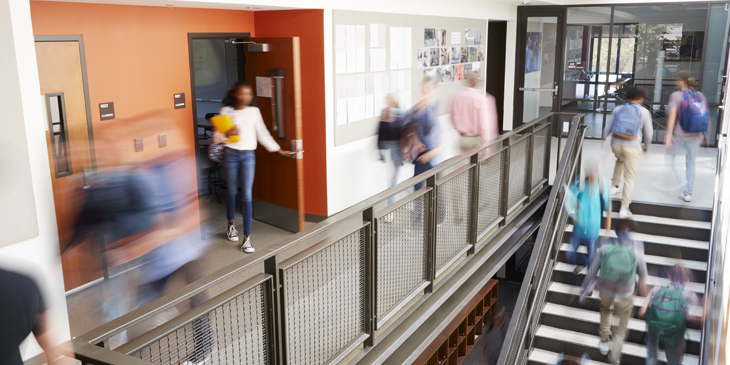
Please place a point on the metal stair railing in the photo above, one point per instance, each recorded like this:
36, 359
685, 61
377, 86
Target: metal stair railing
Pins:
318, 296
528, 308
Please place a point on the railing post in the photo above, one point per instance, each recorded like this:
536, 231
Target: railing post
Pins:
474, 203
273, 298
548, 150
504, 206
529, 161
369, 312
431, 233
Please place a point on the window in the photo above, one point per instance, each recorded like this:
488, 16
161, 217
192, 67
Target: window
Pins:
57, 126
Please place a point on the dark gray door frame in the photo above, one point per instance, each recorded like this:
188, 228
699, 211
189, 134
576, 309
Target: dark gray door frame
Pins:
82, 53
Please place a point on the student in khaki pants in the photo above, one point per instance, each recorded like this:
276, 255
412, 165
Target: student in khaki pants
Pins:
628, 148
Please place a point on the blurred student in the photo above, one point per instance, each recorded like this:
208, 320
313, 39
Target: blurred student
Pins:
22, 311
390, 132
239, 158
630, 129
427, 129
687, 124
590, 198
474, 115
665, 309
618, 262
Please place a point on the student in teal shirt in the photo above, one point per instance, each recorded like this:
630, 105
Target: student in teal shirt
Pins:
586, 208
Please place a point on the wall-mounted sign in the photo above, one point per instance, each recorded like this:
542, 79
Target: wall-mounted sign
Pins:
106, 110
263, 87
579, 65
179, 100
571, 65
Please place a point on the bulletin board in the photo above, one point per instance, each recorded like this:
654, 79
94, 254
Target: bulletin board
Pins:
376, 54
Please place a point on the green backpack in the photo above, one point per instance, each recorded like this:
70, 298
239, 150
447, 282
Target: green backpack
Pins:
618, 267
666, 316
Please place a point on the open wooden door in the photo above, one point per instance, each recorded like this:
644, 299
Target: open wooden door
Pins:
272, 67
69, 150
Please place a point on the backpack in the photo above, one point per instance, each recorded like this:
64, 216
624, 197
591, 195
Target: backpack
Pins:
627, 122
618, 267
666, 316
694, 117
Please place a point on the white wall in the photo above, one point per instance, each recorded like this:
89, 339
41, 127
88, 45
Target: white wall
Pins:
37, 257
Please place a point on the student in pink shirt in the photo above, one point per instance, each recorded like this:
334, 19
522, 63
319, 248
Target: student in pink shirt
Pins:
474, 115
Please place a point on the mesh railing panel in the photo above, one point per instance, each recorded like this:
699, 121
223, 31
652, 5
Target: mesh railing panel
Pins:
401, 262
323, 301
233, 333
452, 217
538, 156
490, 191
517, 169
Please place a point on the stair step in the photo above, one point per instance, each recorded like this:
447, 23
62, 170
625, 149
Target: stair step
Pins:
590, 341
670, 241
540, 356
595, 318
666, 221
698, 288
655, 260
638, 300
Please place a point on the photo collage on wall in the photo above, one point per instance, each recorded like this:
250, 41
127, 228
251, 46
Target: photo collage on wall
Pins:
450, 64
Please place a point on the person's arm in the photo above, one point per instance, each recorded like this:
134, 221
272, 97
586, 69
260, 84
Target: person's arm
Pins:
671, 120
434, 134
641, 266
647, 300
46, 336
489, 120
264, 137
609, 123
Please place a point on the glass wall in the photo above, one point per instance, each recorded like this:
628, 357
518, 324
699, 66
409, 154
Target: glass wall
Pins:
644, 47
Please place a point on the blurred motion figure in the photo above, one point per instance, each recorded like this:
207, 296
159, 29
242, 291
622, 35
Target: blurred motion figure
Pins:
389, 138
427, 129
474, 115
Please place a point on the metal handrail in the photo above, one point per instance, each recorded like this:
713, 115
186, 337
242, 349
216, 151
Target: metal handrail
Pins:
89, 345
529, 301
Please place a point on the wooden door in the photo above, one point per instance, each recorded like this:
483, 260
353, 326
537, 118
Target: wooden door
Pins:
69, 152
278, 188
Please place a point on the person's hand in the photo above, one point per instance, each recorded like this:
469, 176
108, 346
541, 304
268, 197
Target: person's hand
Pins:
645, 149
232, 132
218, 138
642, 311
285, 153
424, 158
669, 140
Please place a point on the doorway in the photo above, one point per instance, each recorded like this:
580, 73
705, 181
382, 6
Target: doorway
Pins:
271, 66
496, 54
539, 39
70, 141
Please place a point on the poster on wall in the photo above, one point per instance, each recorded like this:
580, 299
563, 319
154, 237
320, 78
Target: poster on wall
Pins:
455, 55
424, 57
532, 52
429, 37
464, 55
473, 37
458, 72
435, 56
440, 37
445, 56
473, 56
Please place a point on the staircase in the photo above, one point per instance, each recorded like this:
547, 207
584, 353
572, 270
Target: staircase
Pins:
671, 235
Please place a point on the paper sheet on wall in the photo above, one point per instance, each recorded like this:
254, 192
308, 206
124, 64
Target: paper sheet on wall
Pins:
360, 85
351, 49
377, 60
378, 103
360, 105
375, 36
342, 112
351, 86
369, 106
407, 79
381, 35
407, 48
340, 62
401, 81
263, 87
340, 37
369, 84
393, 81
378, 83
455, 38
352, 109
386, 83
341, 87
360, 54
404, 97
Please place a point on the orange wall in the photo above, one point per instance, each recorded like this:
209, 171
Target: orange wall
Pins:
308, 25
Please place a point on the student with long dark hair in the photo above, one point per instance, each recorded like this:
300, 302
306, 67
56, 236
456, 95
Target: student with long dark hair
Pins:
239, 158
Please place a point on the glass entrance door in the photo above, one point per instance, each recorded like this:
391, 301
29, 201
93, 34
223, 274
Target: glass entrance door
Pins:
538, 60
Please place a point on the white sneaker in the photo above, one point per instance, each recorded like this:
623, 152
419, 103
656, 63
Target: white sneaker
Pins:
246, 246
625, 213
603, 347
686, 198
615, 190
232, 233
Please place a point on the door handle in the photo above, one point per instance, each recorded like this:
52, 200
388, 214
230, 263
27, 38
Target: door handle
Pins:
297, 150
554, 90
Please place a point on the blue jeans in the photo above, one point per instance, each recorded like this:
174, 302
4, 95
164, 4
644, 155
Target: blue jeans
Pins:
397, 159
692, 147
240, 164
577, 239
420, 168
674, 353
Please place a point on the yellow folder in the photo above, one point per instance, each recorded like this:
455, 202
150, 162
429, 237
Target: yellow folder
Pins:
223, 124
